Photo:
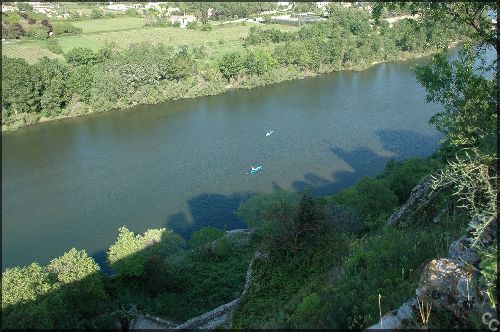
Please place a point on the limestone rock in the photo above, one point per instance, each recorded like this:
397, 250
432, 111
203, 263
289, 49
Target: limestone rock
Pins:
387, 322
420, 197
447, 284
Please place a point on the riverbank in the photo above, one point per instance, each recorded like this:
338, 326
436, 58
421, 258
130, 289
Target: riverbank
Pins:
194, 87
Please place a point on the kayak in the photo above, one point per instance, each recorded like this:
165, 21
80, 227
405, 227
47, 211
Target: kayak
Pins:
256, 169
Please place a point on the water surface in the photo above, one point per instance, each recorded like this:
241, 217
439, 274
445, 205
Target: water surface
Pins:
183, 164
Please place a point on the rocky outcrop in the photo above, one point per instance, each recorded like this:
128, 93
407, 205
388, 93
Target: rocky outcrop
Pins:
421, 196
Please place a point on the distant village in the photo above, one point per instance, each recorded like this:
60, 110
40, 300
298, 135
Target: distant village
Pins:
283, 14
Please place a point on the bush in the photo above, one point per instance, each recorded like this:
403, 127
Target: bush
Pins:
372, 197
65, 28
192, 25
209, 243
96, 13
206, 26
12, 31
53, 46
39, 33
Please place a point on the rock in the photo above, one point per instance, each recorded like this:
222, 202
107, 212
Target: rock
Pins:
420, 197
447, 284
387, 322
405, 311
461, 250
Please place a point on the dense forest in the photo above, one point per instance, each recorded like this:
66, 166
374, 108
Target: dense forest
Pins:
89, 81
330, 262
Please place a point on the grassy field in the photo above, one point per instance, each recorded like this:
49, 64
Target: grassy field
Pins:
97, 33
30, 51
110, 24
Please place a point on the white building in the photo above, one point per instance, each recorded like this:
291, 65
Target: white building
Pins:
118, 7
183, 20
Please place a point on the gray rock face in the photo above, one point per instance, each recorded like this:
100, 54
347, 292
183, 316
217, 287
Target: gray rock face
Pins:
388, 322
447, 284
420, 197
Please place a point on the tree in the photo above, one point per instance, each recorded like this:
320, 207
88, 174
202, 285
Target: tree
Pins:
259, 62
80, 282
21, 86
81, 56
129, 254
231, 65
372, 197
25, 301
468, 97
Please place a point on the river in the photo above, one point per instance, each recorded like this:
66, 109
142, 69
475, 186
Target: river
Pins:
183, 164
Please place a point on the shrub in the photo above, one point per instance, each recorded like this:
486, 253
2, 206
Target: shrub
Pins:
39, 33
192, 25
53, 46
66, 28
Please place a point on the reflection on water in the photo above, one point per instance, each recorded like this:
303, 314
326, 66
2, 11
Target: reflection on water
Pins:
184, 164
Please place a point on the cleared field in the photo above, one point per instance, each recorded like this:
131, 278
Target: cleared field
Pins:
177, 37
222, 39
30, 51
110, 24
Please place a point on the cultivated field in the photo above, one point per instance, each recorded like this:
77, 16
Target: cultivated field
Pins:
110, 24
124, 31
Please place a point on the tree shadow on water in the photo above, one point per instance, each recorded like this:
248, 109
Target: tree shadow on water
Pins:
402, 144
214, 210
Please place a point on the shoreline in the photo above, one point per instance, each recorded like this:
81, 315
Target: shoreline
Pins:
232, 86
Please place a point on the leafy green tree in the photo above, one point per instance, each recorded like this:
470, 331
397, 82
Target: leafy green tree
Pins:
259, 62
232, 65
80, 282
25, 303
130, 252
39, 33
80, 56
21, 86
209, 242
467, 95
372, 197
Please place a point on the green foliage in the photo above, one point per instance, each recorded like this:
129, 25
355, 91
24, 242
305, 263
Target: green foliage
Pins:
12, 31
96, 13
206, 26
259, 62
232, 65
65, 28
402, 176
81, 56
467, 95
53, 46
128, 255
489, 273
372, 197
192, 25
21, 86
24, 6
38, 32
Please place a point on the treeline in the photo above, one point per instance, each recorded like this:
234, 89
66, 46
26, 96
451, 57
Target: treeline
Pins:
33, 25
153, 272
146, 73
